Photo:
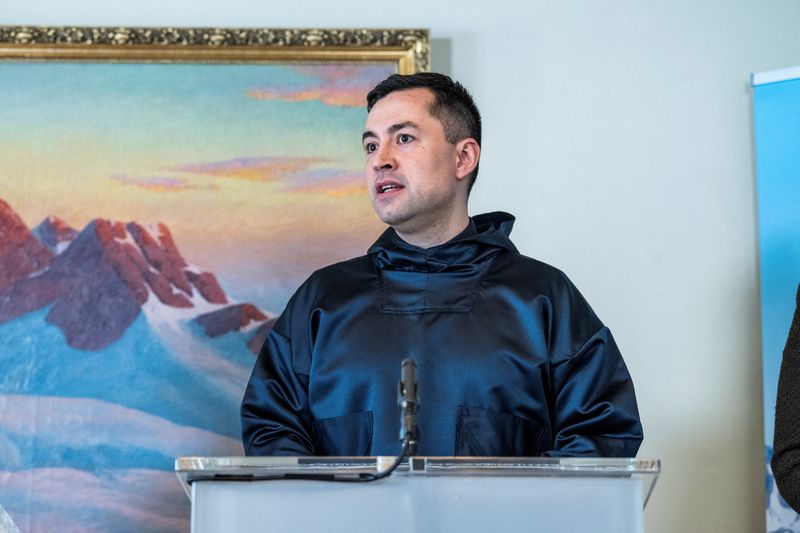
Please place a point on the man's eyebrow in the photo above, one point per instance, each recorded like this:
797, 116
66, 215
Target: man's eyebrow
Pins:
391, 129
402, 125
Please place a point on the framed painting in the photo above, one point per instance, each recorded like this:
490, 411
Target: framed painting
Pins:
163, 191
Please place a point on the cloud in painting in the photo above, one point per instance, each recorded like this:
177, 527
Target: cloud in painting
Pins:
296, 174
330, 181
160, 183
252, 168
336, 85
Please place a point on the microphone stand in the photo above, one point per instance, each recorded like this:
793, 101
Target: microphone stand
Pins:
408, 401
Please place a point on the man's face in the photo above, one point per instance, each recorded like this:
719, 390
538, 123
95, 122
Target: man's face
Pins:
411, 168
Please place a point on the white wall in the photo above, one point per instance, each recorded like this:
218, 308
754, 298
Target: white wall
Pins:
619, 133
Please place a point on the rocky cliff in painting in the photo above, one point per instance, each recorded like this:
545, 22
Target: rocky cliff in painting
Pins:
55, 234
231, 318
96, 281
21, 254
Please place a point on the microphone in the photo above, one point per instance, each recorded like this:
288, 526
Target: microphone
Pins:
408, 400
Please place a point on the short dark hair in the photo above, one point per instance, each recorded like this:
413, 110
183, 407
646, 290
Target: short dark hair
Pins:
452, 105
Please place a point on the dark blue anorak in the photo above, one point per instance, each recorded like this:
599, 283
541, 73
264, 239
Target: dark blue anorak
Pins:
511, 359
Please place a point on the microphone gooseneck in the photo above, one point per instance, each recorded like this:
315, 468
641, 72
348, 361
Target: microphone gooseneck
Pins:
408, 400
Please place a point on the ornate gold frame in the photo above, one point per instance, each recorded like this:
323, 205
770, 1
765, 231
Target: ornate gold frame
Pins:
409, 48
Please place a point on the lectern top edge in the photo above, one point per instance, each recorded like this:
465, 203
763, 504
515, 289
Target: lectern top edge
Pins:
427, 465
191, 469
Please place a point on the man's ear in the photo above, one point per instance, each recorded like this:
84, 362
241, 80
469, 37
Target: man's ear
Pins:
468, 152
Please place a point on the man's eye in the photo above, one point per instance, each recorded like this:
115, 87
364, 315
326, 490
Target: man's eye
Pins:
370, 147
404, 138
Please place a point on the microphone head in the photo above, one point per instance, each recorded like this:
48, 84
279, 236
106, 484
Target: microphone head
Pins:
408, 401
408, 380
408, 369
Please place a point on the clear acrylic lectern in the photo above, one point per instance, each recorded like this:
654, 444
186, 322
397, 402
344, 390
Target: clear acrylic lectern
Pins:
425, 494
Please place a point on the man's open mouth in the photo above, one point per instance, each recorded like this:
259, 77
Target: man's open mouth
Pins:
382, 188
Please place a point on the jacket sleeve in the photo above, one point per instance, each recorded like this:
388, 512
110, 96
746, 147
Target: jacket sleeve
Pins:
592, 403
594, 407
276, 419
786, 459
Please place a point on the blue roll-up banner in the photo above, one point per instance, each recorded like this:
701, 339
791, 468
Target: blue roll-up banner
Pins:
777, 134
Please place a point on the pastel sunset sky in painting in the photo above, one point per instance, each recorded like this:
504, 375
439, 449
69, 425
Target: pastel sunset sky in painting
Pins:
256, 169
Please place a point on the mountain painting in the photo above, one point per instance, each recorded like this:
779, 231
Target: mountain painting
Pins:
154, 220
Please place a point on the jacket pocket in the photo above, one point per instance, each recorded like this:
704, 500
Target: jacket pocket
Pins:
344, 435
484, 432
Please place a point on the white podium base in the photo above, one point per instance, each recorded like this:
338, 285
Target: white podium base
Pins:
403, 504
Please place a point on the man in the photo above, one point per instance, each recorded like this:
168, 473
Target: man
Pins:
511, 359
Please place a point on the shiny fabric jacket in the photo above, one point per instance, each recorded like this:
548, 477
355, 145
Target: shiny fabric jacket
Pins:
511, 359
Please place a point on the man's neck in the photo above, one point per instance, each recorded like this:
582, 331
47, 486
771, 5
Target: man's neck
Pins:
434, 235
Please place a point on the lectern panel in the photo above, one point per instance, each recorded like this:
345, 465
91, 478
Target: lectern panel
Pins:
425, 495
427, 505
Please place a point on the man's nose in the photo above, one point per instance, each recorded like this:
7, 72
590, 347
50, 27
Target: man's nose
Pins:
384, 158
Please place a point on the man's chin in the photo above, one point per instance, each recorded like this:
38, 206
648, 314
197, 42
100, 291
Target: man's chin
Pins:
390, 218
